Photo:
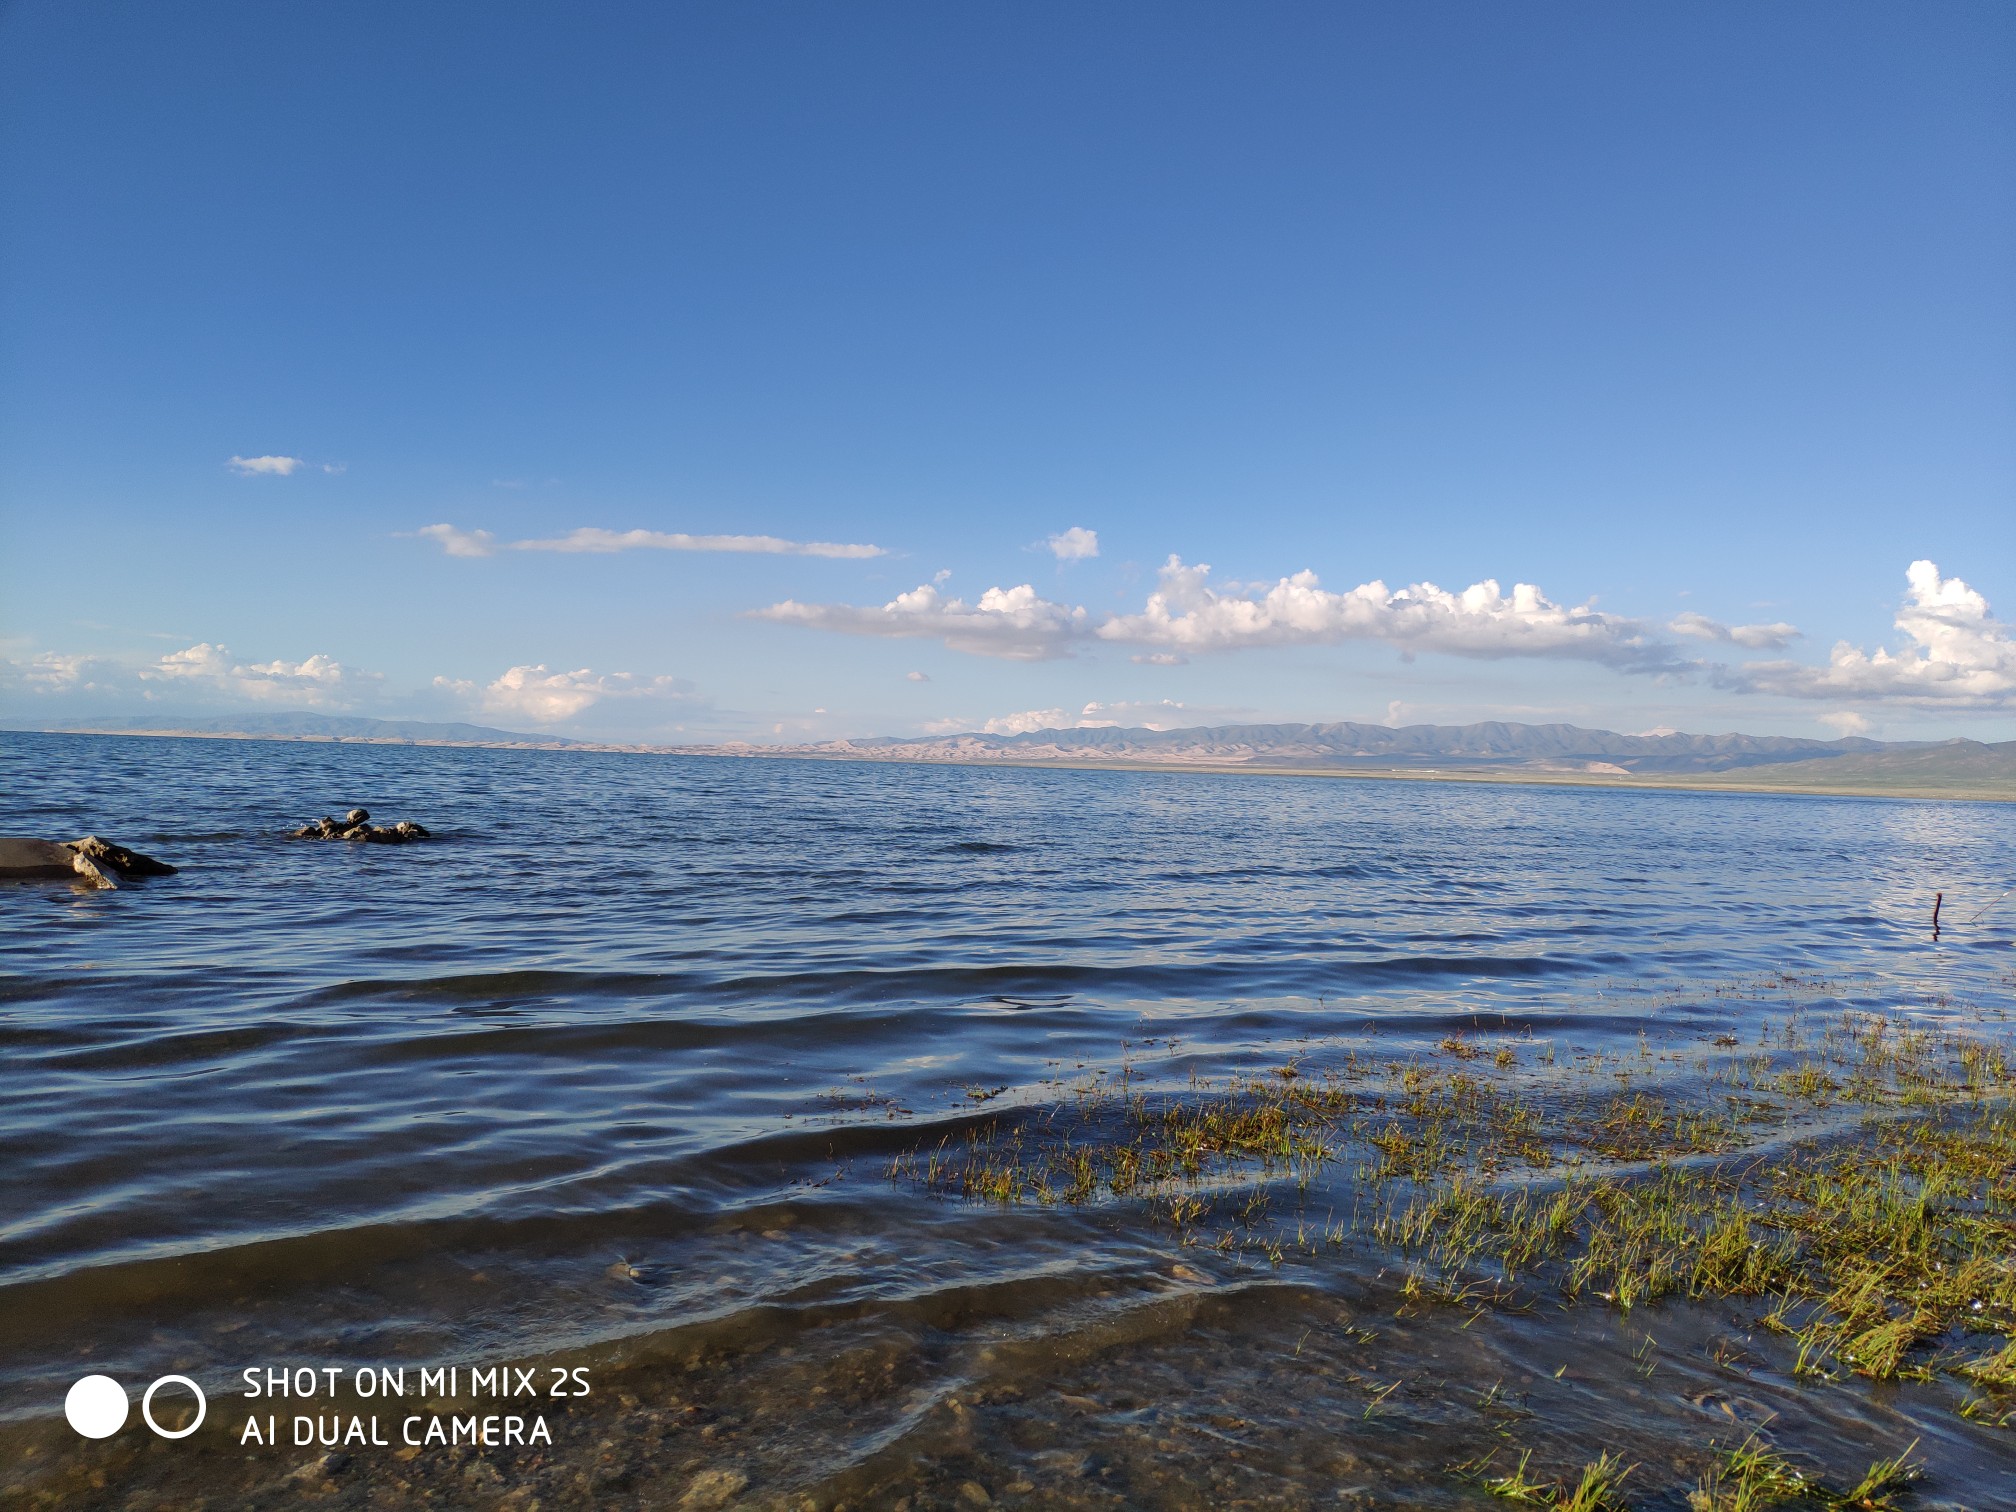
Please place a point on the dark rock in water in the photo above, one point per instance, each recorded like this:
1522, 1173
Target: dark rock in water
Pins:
356, 825
22, 858
91, 859
131, 862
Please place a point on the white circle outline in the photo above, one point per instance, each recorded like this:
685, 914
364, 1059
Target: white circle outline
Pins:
147, 1406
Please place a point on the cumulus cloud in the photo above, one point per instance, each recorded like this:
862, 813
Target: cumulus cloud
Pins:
539, 695
59, 672
917, 677
1074, 545
200, 674
590, 539
207, 675
457, 542
1007, 724
1959, 655
1162, 714
1186, 613
1775, 637
321, 681
1007, 622
271, 467
1846, 722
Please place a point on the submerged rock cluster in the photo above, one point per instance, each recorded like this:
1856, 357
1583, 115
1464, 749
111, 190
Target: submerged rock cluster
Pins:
357, 825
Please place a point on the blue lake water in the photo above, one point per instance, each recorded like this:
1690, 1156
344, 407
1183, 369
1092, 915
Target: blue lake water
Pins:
536, 1083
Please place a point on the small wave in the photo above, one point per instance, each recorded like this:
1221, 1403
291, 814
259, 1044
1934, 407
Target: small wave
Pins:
1021, 983
173, 1049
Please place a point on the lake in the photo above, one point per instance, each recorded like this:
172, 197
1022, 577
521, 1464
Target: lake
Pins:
623, 1068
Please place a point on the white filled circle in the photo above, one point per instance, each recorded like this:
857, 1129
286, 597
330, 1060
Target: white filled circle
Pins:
96, 1406
147, 1404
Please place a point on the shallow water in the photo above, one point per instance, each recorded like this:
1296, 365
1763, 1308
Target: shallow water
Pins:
614, 1069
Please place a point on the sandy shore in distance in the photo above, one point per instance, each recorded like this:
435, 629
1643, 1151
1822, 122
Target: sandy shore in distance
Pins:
1957, 791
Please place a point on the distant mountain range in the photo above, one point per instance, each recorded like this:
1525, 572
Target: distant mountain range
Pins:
303, 726
1483, 752
1494, 749
1495, 744
1950, 767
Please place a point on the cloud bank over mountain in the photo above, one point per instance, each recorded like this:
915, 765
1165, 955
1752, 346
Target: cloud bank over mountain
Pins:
1954, 656
1015, 623
1186, 615
204, 672
1959, 655
209, 677
545, 697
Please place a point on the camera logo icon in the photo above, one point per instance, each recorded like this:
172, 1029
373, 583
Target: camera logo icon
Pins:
97, 1406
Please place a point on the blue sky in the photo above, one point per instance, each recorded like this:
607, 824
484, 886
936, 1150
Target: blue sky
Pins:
1696, 318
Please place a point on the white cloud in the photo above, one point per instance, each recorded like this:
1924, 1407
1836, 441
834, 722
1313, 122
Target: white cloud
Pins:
272, 467
1846, 722
1186, 613
1162, 714
58, 672
1774, 637
202, 674
1007, 622
590, 539
1027, 721
1961, 655
542, 696
1159, 659
321, 681
1074, 545
207, 675
457, 542
1006, 724
917, 677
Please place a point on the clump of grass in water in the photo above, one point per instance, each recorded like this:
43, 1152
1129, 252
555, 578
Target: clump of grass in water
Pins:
1754, 1477
1595, 1490
1876, 1244
1256, 1121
